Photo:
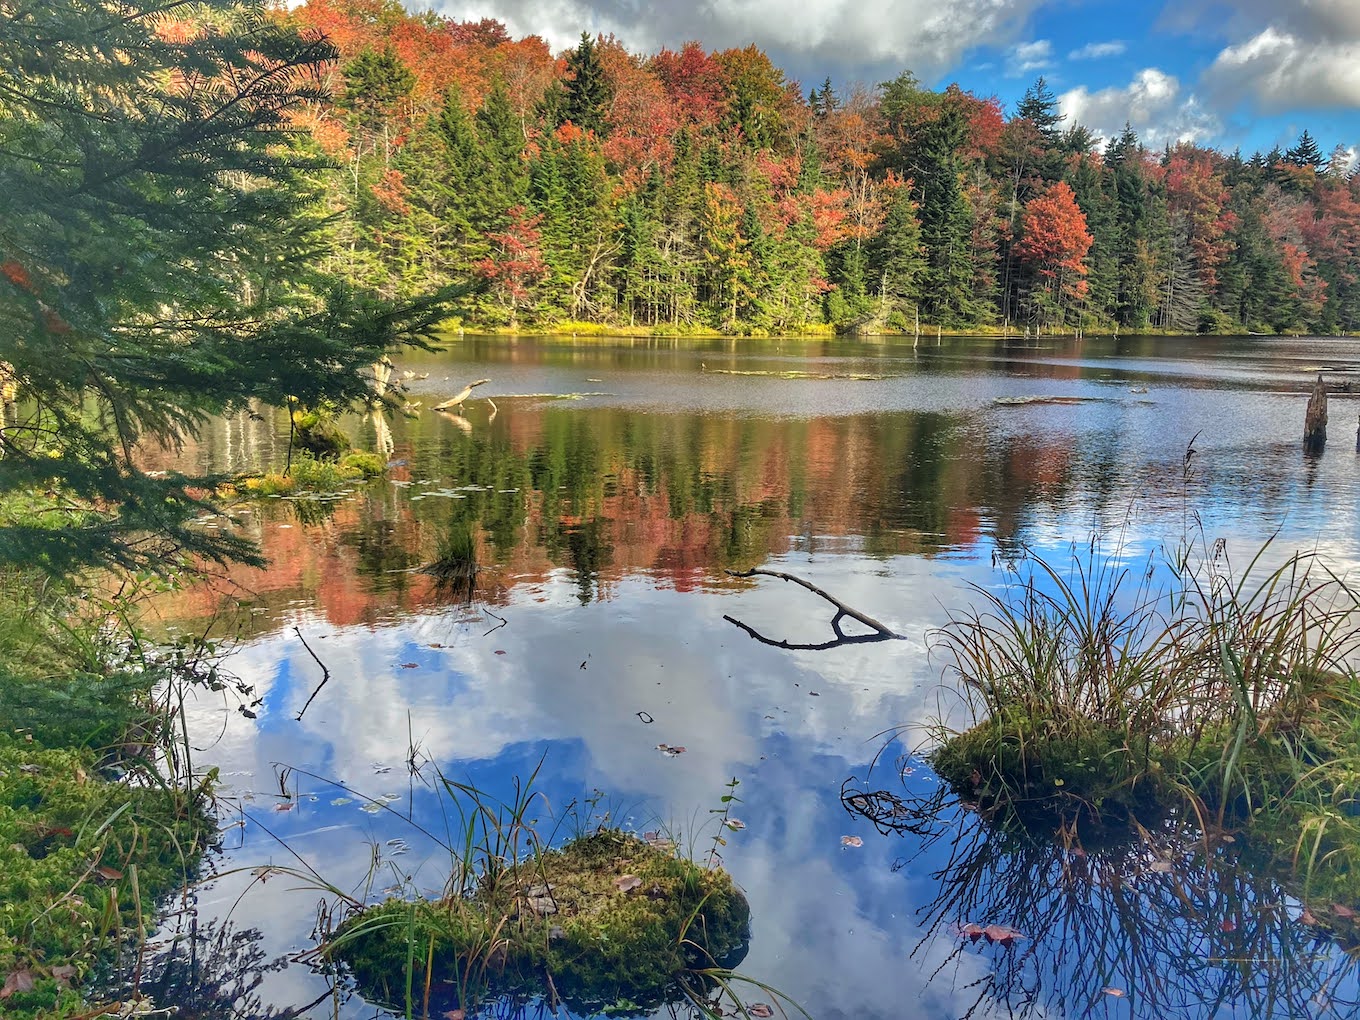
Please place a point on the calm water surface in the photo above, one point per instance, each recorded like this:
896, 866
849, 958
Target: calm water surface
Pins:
606, 498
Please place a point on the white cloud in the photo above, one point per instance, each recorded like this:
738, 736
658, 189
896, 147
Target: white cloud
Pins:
1029, 56
1098, 50
1152, 104
1281, 70
927, 36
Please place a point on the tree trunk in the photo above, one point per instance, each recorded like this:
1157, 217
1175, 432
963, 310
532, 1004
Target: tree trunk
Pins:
1315, 421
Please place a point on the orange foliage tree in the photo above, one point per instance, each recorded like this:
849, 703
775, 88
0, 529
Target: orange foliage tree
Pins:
1053, 246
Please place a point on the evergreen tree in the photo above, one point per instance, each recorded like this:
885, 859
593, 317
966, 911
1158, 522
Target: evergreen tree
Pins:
1306, 153
897, 261
157, 267
1039, 106
586, 91
504, 179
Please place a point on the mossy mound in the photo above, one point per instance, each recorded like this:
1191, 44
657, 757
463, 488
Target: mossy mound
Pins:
607, 922
316, 432
308, 474
1021, 762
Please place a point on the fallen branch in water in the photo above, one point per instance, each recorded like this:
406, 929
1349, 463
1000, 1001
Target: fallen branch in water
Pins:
881, 632
325, 673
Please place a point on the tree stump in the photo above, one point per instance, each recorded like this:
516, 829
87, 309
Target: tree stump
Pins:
1315, 421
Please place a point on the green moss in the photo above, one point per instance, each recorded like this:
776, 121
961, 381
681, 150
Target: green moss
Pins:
316, 432
610, 921
83, 861
368, 465
309, 474
1089, 772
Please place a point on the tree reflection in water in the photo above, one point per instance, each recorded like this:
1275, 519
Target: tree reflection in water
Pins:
1169, 920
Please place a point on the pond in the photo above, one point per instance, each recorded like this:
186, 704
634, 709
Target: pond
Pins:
604, 498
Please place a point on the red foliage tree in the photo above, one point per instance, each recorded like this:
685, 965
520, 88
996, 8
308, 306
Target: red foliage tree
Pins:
516, 263
641, 117
1053, 245
694, 81
1196, 201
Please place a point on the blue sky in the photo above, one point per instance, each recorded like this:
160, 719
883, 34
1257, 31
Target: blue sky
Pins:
1251, 73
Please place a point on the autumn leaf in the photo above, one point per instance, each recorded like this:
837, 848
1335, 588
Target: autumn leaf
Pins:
1228, 926
851, 841
1001, 934
627, 883
1163, 867
1117, 993
64, 974
106, 872
760, 1009
19, 981
1343, 912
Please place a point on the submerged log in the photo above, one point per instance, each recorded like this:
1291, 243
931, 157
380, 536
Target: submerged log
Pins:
1315, 421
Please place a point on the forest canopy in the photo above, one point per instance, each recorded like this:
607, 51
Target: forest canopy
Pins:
695, 190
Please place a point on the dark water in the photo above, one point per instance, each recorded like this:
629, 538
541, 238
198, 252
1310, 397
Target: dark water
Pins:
606, 498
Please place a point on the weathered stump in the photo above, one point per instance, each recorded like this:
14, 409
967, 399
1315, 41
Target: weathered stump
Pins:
1315, 421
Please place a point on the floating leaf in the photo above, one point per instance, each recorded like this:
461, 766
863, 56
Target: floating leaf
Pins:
670, 751
1117, 993
1162, 867
410, 665
627, 883
759, 1009
1307, 918
1343, 912
454, 1014
64, 974
1228, 926
972, 930
500, 651
1000, 933
851, 841
735, 824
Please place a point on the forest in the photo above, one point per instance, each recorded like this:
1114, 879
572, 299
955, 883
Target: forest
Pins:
694, 191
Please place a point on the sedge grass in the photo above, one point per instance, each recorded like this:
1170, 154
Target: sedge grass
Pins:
1113, 687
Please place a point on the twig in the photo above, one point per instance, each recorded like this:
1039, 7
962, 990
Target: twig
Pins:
493, 616
881, 632
325, 673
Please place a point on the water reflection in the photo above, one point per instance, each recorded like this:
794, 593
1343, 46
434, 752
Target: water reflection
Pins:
1168, 922
605, 490
581, 618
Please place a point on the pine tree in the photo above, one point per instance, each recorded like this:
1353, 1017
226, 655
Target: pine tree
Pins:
157, 267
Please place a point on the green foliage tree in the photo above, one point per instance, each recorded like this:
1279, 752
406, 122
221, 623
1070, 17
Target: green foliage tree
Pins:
158, 260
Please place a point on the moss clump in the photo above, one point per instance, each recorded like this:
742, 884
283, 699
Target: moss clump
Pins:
308, 474
607, 922
316, 432
1016, 759
368, 465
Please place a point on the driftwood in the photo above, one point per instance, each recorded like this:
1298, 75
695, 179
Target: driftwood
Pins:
881, 632
1315, 421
